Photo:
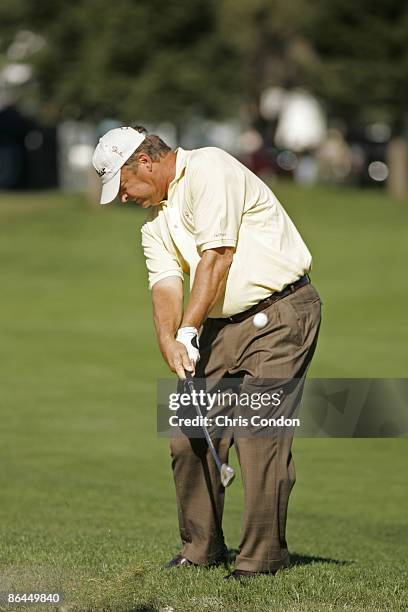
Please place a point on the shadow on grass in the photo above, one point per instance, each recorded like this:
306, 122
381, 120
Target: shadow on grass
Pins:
307, 559
296, 559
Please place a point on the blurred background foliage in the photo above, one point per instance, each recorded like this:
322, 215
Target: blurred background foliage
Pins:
115, 59
363, 59
104, 58
212, 60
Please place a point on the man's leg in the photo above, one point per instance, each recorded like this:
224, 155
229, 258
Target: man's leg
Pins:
200, 497
281, 350
199, 492
268, 475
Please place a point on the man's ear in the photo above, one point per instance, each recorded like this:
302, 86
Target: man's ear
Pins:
146, 161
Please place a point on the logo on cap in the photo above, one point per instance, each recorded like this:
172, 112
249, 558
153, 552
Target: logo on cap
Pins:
101, 172
116, 150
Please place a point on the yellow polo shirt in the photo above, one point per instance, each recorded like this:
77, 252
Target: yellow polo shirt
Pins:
215, 201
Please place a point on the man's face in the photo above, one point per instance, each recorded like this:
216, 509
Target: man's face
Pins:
141, 184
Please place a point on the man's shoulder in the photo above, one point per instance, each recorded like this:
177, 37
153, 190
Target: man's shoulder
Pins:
152, 219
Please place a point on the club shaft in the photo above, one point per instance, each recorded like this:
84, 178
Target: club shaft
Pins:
214, 453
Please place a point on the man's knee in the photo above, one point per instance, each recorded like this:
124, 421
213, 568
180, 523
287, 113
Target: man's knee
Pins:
182, 447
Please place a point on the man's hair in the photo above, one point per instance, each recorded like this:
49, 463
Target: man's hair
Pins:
152, 145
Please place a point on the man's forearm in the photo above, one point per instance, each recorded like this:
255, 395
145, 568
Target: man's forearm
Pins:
209, 282
167, 296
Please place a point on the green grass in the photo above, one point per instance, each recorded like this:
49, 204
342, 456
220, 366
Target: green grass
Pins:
87, 500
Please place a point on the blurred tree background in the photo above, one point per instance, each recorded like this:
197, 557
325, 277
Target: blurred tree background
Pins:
127, 59
362, 69
212, 58
269, 38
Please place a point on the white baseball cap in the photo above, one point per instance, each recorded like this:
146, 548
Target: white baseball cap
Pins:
111, 152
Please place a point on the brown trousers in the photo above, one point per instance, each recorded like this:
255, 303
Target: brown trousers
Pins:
282, 349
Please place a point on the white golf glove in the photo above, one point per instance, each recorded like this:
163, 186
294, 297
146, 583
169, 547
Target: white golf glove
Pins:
189, 337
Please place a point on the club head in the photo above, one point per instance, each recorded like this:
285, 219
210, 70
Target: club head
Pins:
227, 474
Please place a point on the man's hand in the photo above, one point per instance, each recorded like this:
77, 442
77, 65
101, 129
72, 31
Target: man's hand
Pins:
176, 357
189, 337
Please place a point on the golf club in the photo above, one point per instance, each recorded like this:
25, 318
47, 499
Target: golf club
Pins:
227, 473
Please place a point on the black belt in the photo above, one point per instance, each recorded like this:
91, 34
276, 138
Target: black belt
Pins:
278, 295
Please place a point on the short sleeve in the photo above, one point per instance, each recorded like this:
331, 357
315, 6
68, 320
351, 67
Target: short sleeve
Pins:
161, 259
217, 199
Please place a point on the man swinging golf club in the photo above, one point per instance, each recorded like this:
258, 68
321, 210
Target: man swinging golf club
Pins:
213, 219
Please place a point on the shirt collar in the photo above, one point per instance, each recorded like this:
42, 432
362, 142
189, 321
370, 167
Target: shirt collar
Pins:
181, 162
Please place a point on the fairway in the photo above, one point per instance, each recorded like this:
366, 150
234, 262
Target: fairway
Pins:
87, 498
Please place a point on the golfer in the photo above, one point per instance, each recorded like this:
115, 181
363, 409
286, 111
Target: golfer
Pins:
211, 218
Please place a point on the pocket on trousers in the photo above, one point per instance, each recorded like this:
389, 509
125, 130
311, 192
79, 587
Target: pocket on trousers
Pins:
290, 322
308, 316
